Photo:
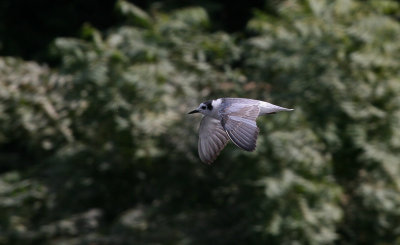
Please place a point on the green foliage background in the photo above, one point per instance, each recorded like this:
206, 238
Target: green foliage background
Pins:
99, 149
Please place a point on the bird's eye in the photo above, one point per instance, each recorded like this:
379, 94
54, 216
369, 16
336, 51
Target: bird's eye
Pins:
203, 107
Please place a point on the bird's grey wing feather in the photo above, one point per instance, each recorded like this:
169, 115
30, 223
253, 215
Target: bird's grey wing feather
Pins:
212, 139
241, 127
239, 101
248, 111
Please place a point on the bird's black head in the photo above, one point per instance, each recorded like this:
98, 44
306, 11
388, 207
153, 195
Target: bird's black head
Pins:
203, 108
208, 105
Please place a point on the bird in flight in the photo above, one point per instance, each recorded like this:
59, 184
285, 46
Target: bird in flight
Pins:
230, 118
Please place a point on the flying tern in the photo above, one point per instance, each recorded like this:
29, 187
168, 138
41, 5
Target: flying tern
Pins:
230, 118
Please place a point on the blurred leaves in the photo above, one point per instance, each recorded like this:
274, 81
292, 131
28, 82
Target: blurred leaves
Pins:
338, 71
136, 15
100, 150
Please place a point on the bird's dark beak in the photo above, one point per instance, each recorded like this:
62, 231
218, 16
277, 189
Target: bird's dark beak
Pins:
194, 111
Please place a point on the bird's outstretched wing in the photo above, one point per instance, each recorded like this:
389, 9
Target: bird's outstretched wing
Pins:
240, 125
212, 139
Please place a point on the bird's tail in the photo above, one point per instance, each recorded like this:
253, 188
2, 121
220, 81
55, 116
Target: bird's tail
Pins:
268, 108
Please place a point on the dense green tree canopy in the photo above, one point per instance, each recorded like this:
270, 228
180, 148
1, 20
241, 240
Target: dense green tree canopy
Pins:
99, 149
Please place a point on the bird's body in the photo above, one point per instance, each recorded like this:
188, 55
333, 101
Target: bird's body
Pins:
230, 118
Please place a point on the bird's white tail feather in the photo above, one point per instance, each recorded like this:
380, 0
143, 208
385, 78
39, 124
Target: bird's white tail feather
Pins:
267, 108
